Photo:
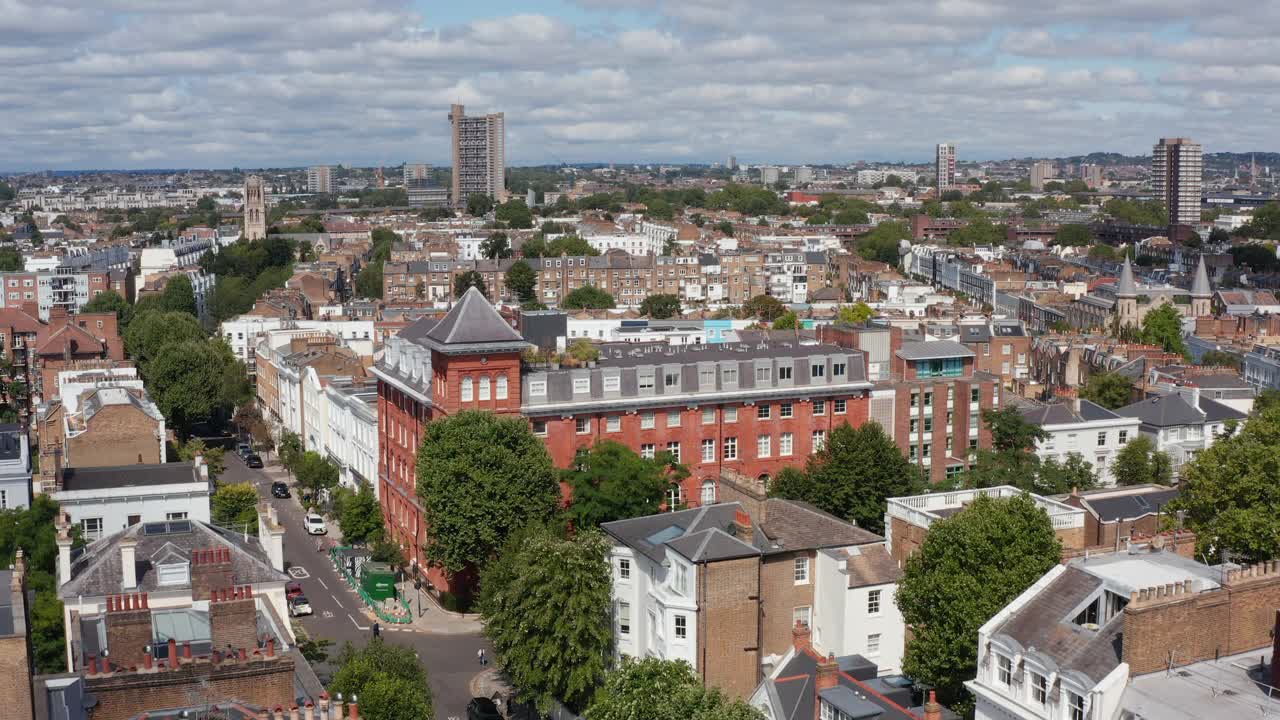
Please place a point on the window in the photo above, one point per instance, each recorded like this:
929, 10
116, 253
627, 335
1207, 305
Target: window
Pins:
928, 424
1124, 437
925, 450
801, 571
675, 498
785, 410
819, 439
612, 383
674, 449
707, 376
681, 626
873, 644
582, 425
644, 382
819, 407
133, 520
613, 423
539, 427
624, 568
1102, 438
467, 392
581, 385
671, 379
708, 451
175, 515
92, 528
4, 499
1004, 670
762, 412
646, 421
708, 416
817, 371
647, 451
801, 615
624, 618
673, 419
911, 453
484, 388
731, 414
785, 443
764, 446
840, 407
1039, 688
1075, 706
838, 369
731, 448
873, 602
708, 492
784, 372
680, 577
729, 376
1006, 349
502, 388
763, 375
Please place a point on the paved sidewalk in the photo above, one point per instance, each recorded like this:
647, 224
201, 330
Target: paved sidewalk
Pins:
429, 617
489, 683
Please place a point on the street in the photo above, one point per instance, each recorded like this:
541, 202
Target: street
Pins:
449, 659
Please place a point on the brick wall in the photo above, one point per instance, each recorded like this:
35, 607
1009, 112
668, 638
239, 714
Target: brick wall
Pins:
234, 622
907, 539
210, 569
780, 596
15, 677
266, 682
128, 635
729, 622
116, 435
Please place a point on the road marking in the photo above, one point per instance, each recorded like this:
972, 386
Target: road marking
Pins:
358, 625
326, 614
335, 599
326, 587
300, 572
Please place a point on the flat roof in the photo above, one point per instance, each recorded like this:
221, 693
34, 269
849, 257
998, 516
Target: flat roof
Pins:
122, 476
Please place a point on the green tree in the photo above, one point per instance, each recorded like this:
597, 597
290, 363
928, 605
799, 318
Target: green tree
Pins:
1221, 358
725, 227
1103, 252
369, 281
587, 297
852, 475
1054, 477
1111, 390
514, 214
1137, 212
787, 321
855, 314
1011, 431
496, 246
1140, 463
951, 587
583, 351
1163, 327
316, 474
110, 301
660, 306
764, 307
388, 679
1073, 235
479, 204
10, 260
290, 449
32, 530
480, 477
213, 456
610, 482
1230, 494
152, 331
523, 281
235, 507
360, 517
1268, 398
196, 382
882, 242
179, 296
657, 689
469, 279
546, 609
979, 231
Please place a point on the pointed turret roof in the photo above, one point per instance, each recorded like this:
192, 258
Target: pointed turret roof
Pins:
1200, 286
472, 325
1126, 288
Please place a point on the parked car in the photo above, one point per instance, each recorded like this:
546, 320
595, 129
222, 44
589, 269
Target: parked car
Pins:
243, 449
482, 708
279, 489
292, 588
314, 524
253, 461
299, 606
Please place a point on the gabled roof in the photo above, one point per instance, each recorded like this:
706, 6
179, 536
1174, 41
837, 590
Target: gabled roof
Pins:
473, 325
1164, 411
70, 336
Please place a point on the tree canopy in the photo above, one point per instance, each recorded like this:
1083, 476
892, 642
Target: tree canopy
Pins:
195, 382
1073, 235
1140, 463
235, 507
32, 529
852, 475
970, 567
480, 477
388, 679
514, 214
1163, 327
657, 689
855, 314
496, 246
546, 608
764, 307
587, 297
787, 321
523, 281
469, 279
1111, 390
610, 481
882, 242
660, 306
360, 516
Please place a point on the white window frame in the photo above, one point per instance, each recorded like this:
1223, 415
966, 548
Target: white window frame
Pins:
501, 393
612, 383
800, 570
581, 385
582, 426
647, 421
873, 602
537, 388
708, 450
624, 618
485, 387
613, 423
648, 450
786, 444
873, 644
467, 390
802, 614
673, 419
764, 446
680, 627
708, 416
730, 446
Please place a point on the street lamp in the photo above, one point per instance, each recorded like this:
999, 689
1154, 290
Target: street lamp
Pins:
417, 584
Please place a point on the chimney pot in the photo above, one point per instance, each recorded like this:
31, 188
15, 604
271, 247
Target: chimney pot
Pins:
354, 711
271, 647
186, 650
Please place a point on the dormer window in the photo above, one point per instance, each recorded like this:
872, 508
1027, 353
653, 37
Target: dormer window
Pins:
173, 574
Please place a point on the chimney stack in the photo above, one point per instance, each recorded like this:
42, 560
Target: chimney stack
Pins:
828, 673
932, 710
128, 563
801, 637
63, 524
742, 527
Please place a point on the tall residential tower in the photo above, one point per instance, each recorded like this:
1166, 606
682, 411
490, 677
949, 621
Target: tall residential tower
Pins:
255, 208
319, 179
946, 167
479, 155
1176, 167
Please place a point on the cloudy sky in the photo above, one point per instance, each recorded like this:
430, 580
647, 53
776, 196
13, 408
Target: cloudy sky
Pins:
252, 83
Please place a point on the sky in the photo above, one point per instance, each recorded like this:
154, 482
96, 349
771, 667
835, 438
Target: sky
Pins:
271, 83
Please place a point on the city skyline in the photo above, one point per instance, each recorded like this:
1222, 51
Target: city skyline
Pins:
261, 85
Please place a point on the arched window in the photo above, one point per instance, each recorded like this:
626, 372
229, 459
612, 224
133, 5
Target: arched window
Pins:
675, 497
764, 480
708, 492
466, 390
502, 387
484, 387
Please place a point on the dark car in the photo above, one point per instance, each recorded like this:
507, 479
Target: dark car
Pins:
279, 489
253, 461
482, 708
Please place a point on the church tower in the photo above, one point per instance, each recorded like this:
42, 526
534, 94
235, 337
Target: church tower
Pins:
255, 208
1201, 293
1127, 297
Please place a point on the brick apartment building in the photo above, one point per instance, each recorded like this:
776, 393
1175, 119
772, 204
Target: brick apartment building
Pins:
101, 419
15, 641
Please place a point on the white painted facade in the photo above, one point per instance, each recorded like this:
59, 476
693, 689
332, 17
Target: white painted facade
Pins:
1097, 441
244, 332
651, 603
351, 439
108, 510
638, 245
856, 621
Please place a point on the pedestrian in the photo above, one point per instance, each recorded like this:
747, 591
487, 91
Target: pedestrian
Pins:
480, 654
377, 630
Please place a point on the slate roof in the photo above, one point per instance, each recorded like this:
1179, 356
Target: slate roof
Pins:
1128, 506
872, 565
1215, 411
1126, 287
121, 476
933, 350
473, 325
1174, 411
1063, 413
96, 571
795, 692
795, 524
1045, 623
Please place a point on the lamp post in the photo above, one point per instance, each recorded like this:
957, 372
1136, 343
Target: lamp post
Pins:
417, 584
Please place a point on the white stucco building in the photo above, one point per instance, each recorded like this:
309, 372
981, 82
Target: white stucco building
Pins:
106, 500
1084, 428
